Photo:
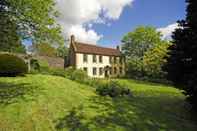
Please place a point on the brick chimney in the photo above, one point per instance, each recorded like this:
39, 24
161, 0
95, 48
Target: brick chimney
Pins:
72, 38
118, 47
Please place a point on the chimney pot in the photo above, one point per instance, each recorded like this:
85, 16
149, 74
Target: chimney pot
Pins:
72, 39
118, 47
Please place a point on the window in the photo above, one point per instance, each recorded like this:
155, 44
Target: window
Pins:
115, 59
115, 70
110, 71
120, 60
85, 69
100, 71
101, 59
94, 59
110, 59
94, 71
120, 70
85, 58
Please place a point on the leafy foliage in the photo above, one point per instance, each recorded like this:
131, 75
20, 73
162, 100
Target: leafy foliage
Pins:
153, 60
9, 40
33, 19
79, 75
112, 89
182, 63
45, 50
145, 52
11, 65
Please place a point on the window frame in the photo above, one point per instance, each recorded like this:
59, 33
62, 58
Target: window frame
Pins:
100, 71
94, 71
94, 58
85, 58
85, 69
100, 59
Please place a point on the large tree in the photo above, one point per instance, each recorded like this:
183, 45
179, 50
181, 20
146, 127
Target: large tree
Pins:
135, 46
34, 19
9, 38
182, 63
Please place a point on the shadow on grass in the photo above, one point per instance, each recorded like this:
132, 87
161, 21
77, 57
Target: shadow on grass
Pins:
73, 121
144, 114
131, 114
12, 93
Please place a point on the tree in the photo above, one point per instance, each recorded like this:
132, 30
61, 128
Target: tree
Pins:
33, 19
45, 50
9, 40
153, 60
182, 63
136, 44
62, 51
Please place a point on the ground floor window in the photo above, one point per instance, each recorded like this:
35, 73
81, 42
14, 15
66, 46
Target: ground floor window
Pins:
110, 71
115, 70
94, 71
85, 69
120, 70
100, 71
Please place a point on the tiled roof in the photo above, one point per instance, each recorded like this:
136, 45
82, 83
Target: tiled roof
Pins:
93, 49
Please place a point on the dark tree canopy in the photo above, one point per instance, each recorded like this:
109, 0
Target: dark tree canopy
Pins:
182, 63
24, 19
9, 38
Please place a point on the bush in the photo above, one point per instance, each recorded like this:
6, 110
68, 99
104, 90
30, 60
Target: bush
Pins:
57, 72
112, 89
11, 65
44, 66
34, 64
68, 72
79, 76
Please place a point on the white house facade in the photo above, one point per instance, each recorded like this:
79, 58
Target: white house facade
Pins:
98, 62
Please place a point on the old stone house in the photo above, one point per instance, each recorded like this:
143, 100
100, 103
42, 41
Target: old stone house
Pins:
98, 62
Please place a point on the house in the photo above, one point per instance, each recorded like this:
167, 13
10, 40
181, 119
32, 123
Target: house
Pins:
98, 62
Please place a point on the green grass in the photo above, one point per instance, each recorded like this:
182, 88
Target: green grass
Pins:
42, 103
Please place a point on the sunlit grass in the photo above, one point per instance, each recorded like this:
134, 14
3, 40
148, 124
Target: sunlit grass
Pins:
42, 102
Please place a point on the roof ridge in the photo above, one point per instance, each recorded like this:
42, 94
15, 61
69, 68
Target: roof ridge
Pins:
88, 44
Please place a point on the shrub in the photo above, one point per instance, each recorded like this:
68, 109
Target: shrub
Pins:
79, 76
11, 65
68, 72
34, 64
112, 89
57, 72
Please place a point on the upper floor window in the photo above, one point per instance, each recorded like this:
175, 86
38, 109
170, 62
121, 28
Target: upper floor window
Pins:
85, 58
94, 59
115, 59
110, 59
94, 71
101, 59
120, 60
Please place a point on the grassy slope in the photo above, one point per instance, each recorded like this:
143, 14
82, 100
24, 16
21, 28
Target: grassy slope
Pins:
41, 102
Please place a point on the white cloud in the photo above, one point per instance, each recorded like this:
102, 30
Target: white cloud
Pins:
78, 16
168, 30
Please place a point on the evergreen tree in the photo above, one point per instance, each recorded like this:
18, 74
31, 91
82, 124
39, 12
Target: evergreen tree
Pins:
182, 63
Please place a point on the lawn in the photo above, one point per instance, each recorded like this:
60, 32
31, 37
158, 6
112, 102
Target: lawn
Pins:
43, 102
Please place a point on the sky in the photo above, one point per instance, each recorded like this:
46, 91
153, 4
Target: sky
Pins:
105, 22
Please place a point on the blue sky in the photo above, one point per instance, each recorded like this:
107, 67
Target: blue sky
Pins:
105, 22
157, 13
